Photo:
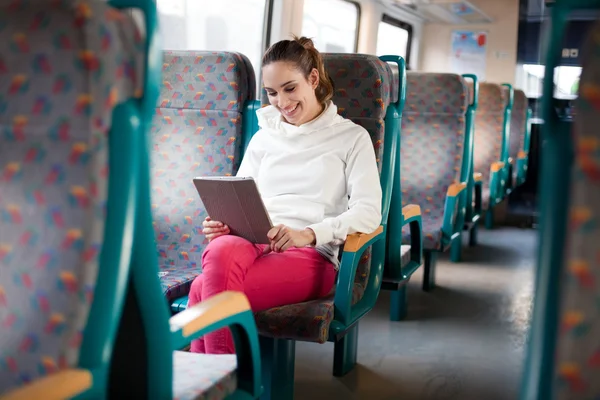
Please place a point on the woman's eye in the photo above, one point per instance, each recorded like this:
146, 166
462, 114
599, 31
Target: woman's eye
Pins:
271, 94
290, 90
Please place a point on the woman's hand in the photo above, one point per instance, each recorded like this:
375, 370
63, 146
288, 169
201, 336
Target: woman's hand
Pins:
283, 237
214, 229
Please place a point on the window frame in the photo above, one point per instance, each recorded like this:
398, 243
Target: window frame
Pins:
358, 21
267, 25
388, 19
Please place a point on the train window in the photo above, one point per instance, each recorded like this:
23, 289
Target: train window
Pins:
394, 37
566, 81
332, 35
224, 25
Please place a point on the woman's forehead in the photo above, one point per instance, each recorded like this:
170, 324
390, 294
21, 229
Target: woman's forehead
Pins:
280, 73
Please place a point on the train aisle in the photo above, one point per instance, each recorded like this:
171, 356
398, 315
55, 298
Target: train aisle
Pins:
464, 340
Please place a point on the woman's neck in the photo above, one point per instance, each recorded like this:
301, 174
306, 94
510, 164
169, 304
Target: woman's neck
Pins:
318, 112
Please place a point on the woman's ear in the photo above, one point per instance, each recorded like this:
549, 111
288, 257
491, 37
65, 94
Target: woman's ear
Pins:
313, 78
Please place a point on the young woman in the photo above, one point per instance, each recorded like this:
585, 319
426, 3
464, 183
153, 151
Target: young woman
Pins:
318, 178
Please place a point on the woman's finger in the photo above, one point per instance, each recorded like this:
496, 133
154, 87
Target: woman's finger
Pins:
207, 231
212, 224
279, 245
283, 232
213, 236
272, 234
287, 245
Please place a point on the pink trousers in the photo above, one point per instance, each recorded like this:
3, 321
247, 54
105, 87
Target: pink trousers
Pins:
271, 280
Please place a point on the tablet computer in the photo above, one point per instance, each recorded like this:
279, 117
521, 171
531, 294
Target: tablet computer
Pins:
236, 202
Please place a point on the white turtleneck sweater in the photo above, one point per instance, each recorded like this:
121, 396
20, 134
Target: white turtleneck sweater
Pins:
321, 175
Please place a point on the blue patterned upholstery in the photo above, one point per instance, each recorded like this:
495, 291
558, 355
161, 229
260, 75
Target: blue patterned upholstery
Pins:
432, 146
196, 131
362, 93
64, 66
577, 366
488, 131
203, 376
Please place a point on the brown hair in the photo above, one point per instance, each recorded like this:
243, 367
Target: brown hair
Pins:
301, 51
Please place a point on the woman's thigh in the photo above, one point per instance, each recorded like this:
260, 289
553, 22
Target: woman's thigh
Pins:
293, 276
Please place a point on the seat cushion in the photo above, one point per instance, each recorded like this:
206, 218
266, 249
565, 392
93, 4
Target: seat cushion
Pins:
308, 321
432, 232
203, 376
176, 281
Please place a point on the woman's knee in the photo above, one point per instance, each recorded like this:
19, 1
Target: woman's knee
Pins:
223, 245
227, 250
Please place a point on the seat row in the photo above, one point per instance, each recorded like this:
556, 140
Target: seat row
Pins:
205, 118
116, 229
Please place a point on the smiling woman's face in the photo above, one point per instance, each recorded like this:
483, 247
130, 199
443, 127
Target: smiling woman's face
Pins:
292, 94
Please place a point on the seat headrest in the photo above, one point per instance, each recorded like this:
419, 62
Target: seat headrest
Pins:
435, 93
492, 98
362, 84
201, 80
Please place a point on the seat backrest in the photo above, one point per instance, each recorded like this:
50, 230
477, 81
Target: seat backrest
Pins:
577, 366
432, 139
488, 128
363, 92
64, 68
517, 124
196, 131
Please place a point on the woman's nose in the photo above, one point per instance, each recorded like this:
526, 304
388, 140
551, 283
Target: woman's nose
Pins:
283, 101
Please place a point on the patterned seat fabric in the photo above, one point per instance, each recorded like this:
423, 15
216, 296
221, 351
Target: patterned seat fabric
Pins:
432, 146
577, 366
362, 93
64, 66
196, 131
489, 121
517, 127
203, 376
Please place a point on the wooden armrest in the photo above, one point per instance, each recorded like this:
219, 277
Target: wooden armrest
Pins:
356, 241
411, 210
208, 312
522, 154
455, 189
497, 166
64, 384
477, 176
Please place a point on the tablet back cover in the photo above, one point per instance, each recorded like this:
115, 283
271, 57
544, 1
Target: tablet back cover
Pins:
236, 202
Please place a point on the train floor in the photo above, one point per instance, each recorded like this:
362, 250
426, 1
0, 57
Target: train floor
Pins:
464, 340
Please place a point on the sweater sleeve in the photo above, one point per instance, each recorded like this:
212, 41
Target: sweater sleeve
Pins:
251, 160
365, 197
